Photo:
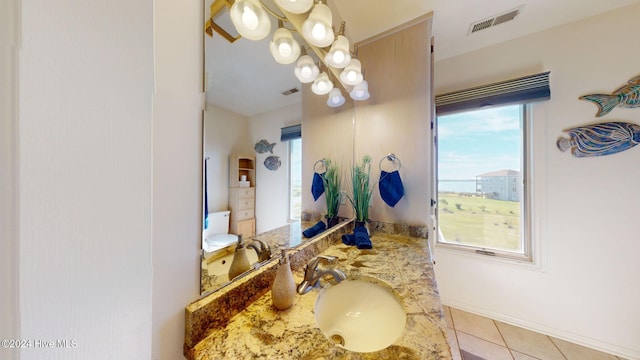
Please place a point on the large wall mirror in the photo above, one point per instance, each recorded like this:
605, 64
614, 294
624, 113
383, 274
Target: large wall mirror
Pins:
250, 98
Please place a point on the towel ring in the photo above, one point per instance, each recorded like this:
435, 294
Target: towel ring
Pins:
322, 162
391, 157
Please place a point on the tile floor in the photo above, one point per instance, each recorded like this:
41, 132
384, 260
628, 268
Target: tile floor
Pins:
495, 340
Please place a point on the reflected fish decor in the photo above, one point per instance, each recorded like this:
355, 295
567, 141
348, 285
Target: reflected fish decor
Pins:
627, 96
600, 139
263, 146
272, 162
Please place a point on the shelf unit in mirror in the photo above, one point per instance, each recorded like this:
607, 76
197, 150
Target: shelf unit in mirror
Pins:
242, 194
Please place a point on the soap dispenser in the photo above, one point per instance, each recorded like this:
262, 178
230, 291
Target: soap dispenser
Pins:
283, 290
240, 261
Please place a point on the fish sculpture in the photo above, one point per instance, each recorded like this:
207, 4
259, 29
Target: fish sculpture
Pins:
263, 146
272, 162
627, 96
600, 139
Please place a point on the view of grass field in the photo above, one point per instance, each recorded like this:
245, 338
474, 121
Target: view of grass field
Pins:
477, 221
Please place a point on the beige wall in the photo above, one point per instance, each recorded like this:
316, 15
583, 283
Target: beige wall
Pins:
396, 118
9, 303
225, 133
584, 288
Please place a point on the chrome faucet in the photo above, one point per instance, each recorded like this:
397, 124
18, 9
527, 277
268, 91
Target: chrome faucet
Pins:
312, 274
262, 249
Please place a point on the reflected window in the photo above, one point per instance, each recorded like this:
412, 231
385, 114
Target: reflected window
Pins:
295, 178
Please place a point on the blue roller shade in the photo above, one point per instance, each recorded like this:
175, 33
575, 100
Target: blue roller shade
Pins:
291, 132
521, 90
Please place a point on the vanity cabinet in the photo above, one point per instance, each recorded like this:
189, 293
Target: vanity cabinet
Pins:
242, 194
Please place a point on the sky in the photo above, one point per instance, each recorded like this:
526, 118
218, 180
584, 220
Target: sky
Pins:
480, 141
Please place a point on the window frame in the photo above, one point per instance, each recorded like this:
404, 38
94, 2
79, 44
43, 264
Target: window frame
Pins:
528, 241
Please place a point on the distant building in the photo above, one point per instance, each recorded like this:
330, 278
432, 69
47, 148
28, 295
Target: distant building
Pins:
500, 185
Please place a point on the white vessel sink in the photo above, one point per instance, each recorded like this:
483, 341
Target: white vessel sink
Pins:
360, 315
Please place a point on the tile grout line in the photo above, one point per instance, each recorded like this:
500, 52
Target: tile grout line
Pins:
455, 332
503, 339
556, 346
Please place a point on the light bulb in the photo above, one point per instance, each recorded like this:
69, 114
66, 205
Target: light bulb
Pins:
338, 56
284, 49
305, 71
318, 32
322, 85
335, 99
351, 75
249, 18
359, 93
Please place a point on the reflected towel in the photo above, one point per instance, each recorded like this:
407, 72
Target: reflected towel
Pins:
361, 236
317, 185
314, 230
349, 239
391, 188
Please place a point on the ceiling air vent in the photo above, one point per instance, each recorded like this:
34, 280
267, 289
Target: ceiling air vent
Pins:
290, 91
494, 20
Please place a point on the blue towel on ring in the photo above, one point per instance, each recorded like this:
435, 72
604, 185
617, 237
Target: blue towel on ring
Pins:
391, 188
314, 230
317, 185
362, 239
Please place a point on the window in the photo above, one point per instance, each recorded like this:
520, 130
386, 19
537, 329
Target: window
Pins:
295, 179
480, 142
478, 152
293, 135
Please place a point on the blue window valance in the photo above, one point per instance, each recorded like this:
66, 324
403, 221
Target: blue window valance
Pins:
291, 132
521, 90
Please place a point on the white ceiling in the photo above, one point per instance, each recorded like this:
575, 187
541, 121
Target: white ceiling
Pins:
244, 78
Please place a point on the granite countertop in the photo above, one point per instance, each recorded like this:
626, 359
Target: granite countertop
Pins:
262, 332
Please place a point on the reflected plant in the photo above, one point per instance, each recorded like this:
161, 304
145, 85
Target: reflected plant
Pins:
361, 189
332, 182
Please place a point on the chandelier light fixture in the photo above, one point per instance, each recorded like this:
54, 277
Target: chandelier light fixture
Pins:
360, 92
339, 55
335, 98
318, 28
306, 69
295, 6
251, 20
284, 48
352, 74
322, 85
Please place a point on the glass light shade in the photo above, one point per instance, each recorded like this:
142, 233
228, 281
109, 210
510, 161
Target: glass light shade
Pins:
361, 91
284, 48
317, 29
339, 55
295, 6
306, 69
352, 74
250, 19
322, 85
335, 98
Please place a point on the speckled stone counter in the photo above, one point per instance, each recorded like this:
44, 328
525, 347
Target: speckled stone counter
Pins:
262, 332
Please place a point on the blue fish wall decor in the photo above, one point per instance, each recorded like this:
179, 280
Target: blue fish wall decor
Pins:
272, 162
600, 139
627, 96
263, 146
